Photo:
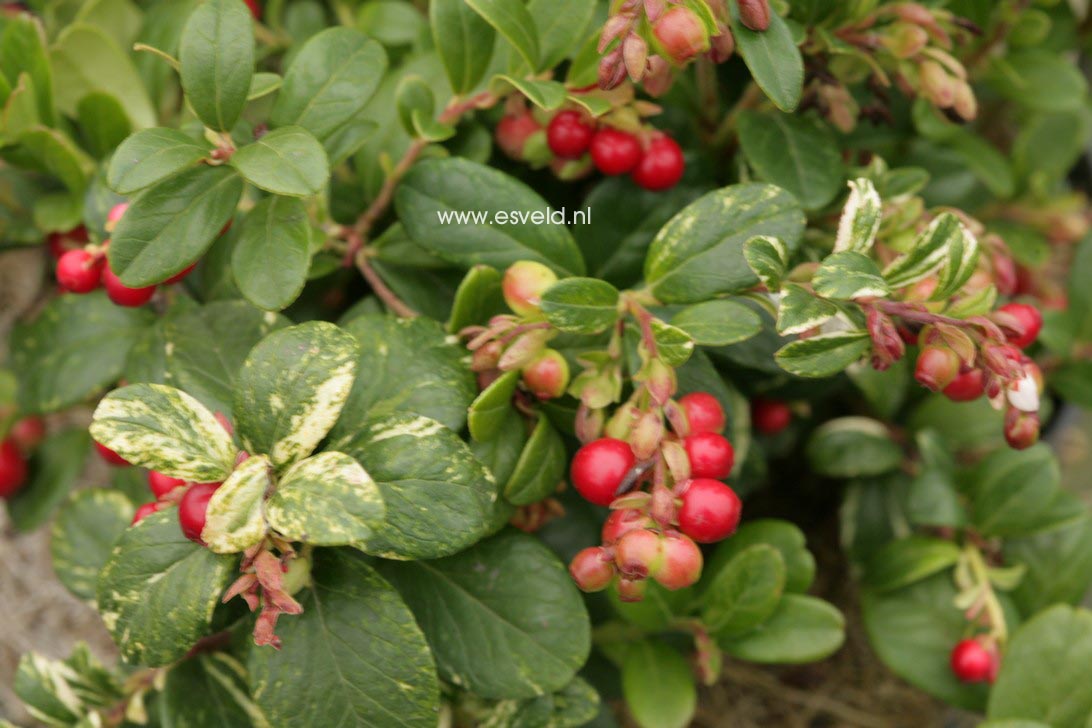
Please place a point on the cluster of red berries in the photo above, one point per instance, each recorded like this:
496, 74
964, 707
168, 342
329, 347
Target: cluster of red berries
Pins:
83, 269
975, 661
575, 142
644, 538
21, 441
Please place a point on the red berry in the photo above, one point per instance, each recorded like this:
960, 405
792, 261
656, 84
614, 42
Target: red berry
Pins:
255, 8
661, 166
523, 285
592, 569
681, 563
639, 554
1030, 323
161, 484
937, 367
61, 243
568, 135
599, 468
966, 387
615, 151
512, 134
121, 294
146, 510
711, 455
770, 416
703, 412
78, 271
1021, 428
710, 511
28, 432
681, 34
973, 662
193, 508
178, 277
110, 456
547, 375
13, 469
621, 522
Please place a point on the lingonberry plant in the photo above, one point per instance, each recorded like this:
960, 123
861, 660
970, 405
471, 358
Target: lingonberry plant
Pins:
392, 444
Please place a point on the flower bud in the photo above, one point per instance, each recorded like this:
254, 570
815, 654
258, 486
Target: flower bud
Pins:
1023, 394
681, 34
654, 9
592, 569
547, 375
681, 562
523, 285
635, 56
639, 553
621, 522
678, 462
754, 14
1004, 272
1004, 360
523, 350
613, 29
612, 70
888, 346
646, 435
1021, 429
486, 357
723, 44
964, 101
660, 380
936, 84
621, 423
663, 509
659, 77
589, 423
905, 40
937, 367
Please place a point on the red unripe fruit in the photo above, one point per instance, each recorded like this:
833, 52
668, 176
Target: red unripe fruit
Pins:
592, 569
615, 151
622, 521
114, 216
703, 412
121, 294
178, 277
632, 590
682, 562
661, 166
110, 456
13, 469
193, 509
61, 243
681, 34
599, 468
523, 285
770, 416
569, 135
937, 367
146, 510
513, 132
639, 554
973, 662
78, 271
967, 387
255, 8
161, 484
710, 511
711, 455
1031, 322
1021, 429
547, 375
27, 433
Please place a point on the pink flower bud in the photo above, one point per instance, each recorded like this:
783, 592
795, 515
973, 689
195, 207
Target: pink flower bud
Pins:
635, 55
754, 14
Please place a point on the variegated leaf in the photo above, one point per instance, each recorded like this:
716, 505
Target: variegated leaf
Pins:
327, 500
66, 692
824, 355
861, 218
234, 520
927, 254
799, 310
221, 681
849, 275
768, 257
959, 265
292, 388
976, 304
164, 429
674, 345
84, 532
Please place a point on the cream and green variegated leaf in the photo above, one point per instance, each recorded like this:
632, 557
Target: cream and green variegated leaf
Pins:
978, 303
824, 355
84, 532
581, 305
65, 692
861, 218
928, 252
164, 429
221, 681
849, 275
327, 500
768, 257
158, 590
959, 265
234, 520
292, 388
673, 344
799, 310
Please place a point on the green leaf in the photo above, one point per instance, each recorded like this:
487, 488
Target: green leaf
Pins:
157, 592
439, 497
391, 22
861, 218
673, 344
286, 161
547, 95
103, 122
573, 706
216, 55
326, 500
164, 429
1013, 490
235, 520
718, 323
824, 355
477, 298
561, 26
262, 84
56, 154
75, 348
464, 41
169, 226
56, 464
581, 305
960, 263
658, 685
927, 253
1058, 565
416, 106
799, 310
65, 692
513, 21
84, 532
783, 536
1039, 79
745, 592
793, 153
292, 388
773, 59
220, 681
489, 411
329, 83
904, 561
503, 618
540, 468
851, 447
802, 629
272, 255
436, 189
849, 275
150, 156
768, 257
355, 656
698, 254
23, 50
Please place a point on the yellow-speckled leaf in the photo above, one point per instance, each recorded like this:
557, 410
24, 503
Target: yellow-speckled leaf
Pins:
234, 521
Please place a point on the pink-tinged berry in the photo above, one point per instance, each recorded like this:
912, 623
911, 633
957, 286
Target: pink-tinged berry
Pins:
592, 569
661, 166
631, 590
937, 367
13, 469
967, 387
639, 554
523, 285
179, 277
770, 416
614, 151
121, 294
703, 412
111, 457
193, 510
1029, 320
681, 563
1021, 428
513, 133
711, 455
114, 216
78, 271
681, 34
710, 511
973, 662
547, 375
599, 468
161, 484
568, 135
27, 433
146, 510
622, 521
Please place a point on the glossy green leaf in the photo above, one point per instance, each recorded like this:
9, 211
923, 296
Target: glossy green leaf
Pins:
773, 59
23, 50
718, 323
150, 156
546, 95
927, 253
540, 468
234, 520
658, 685
103, 122
793, 153
220, 680
1013, 489
216, 56
477, 298
56, 464
783, 536
561, 26
286, 161
56, 154
745, 592
489, 410
464, 41
904, 561
801, 629
850, 447
673, 344
1057, 563
272, 256
1039, 79
83, 534
512, 20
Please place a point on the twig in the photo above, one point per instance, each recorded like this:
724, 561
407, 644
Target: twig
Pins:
381, 289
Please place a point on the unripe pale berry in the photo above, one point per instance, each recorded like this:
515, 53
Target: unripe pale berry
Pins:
1030, 320
710, 454
592, 569
193, 510
710, 511
13, 469
513, 132
599, 468
161, 484
568, 135
110, 456
973, 662
78, 271
146, 510
622, 521
547, 375
615, 151
661, 166
681, 563
770, 416
123, 295
27, 433
703, 412
937, 367
966, 387
639, 554
681, 34
523, 285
